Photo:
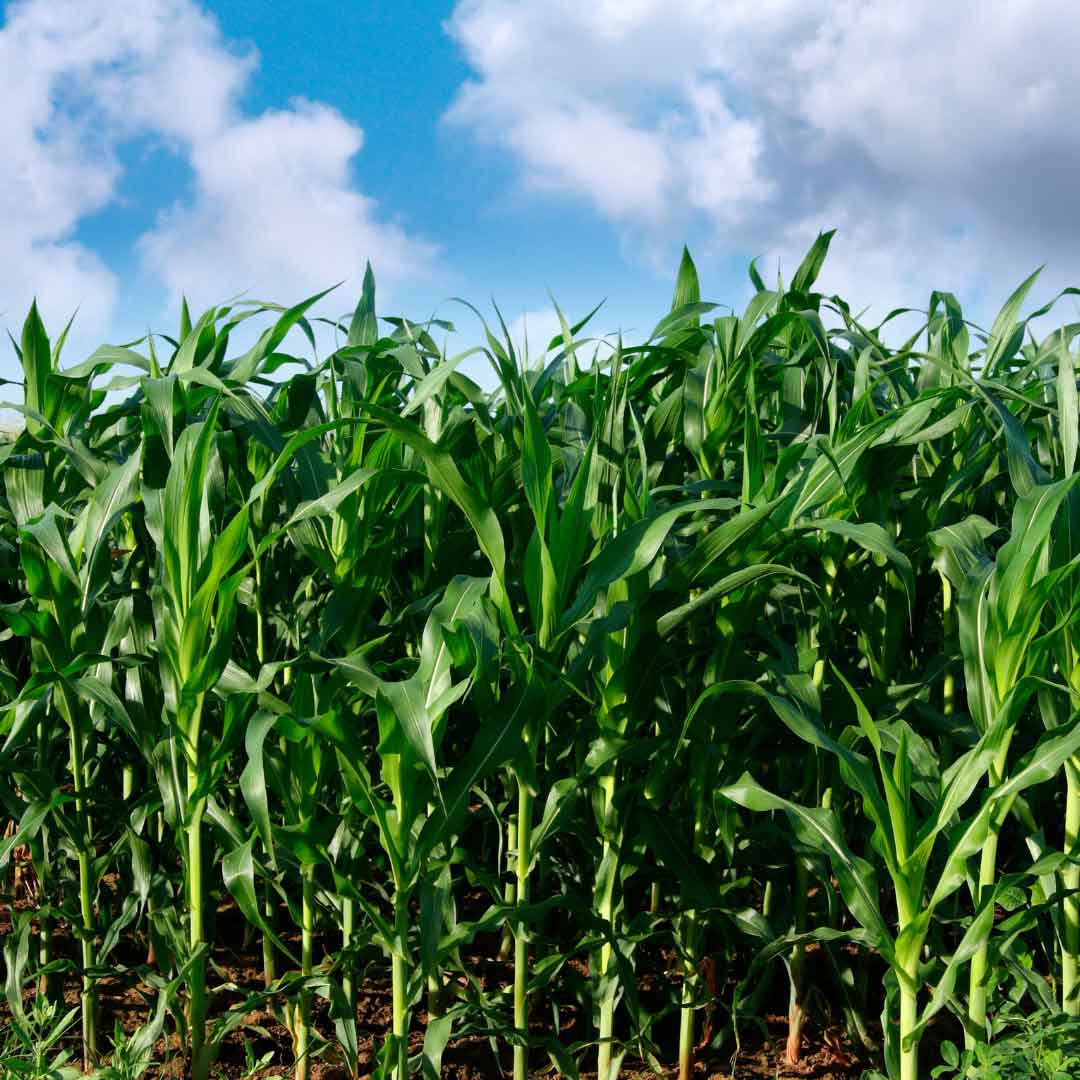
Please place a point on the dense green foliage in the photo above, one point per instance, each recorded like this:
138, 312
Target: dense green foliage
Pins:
752, 645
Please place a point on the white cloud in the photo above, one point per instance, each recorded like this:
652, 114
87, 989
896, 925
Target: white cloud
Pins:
273, 210
936, 137
274, 213
593, 100
551, 141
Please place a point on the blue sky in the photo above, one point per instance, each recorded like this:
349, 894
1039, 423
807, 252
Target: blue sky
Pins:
495, 148
389, 67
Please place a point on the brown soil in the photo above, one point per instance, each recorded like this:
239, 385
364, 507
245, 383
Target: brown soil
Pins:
124, 998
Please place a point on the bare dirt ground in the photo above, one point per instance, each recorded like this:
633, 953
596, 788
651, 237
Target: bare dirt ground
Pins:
124, 998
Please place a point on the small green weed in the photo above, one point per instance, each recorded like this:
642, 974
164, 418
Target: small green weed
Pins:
1037, 1047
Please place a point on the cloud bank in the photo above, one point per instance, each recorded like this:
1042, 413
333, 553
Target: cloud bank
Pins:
272, 206
938, 138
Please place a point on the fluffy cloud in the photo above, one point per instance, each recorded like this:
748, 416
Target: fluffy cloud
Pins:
274, 212
273, 207
935, 136
597, 100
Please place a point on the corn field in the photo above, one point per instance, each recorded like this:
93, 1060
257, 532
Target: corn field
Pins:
594, 717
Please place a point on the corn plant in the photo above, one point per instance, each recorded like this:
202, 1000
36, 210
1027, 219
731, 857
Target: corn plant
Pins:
1001, 615
195, 619
752, 640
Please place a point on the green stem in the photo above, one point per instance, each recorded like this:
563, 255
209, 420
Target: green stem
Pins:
348, 918
686, 1016
197, 1002
977, 989
86, 885
151, 910
796, 1012
979, 962
47, 983
269, 959
89, 1002
690, 930
197, 998
260, 631
948, 704
797, 993
268, 954
907, 910
909, 1058
44, 947
399, 977
506, 948
521, 944
434, 996
307, 938
607, 1001
1070, 951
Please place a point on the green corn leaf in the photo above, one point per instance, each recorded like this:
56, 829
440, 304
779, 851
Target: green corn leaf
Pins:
1068, 406
363, 330
687, 288
812, 263
37, 365
1006, 334
819, 828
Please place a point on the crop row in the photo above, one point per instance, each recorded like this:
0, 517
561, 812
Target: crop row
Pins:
750, 645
